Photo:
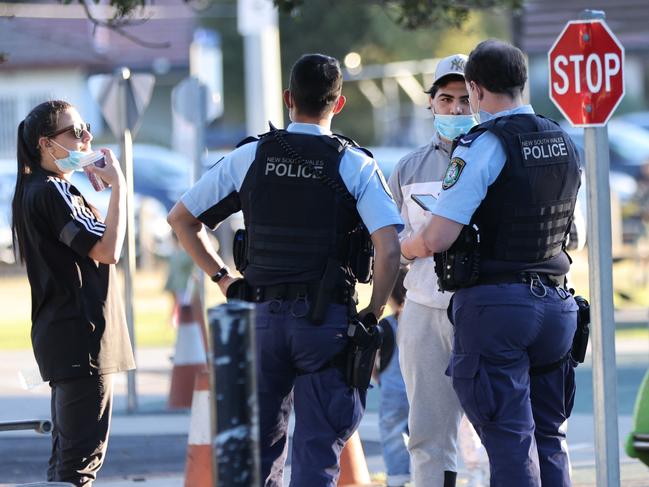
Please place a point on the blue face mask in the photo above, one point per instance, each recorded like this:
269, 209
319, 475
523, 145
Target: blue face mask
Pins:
452, 126
70, 163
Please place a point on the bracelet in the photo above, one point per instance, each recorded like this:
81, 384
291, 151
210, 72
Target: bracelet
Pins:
409, 259
220, 274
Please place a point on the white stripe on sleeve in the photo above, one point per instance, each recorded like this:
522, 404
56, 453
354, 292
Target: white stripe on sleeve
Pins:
80, 213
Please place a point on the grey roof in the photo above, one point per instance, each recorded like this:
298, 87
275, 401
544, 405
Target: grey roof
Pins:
49, 43
543, 20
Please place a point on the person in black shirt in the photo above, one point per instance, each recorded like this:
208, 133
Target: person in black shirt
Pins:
79, 332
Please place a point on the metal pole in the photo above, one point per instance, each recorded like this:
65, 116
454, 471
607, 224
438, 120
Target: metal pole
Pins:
601, 301
43, 426
128, 262
263, 80
199, 154
234, 407
600, 262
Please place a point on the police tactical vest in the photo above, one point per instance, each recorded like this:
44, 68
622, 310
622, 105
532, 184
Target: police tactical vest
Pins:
527, 211
295, 223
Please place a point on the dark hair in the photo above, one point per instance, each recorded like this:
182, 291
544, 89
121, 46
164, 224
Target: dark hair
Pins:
316, 83
442, 82
498, 66
43, 119
399, 291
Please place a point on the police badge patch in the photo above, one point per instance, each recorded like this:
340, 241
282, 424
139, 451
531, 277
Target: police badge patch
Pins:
453, 172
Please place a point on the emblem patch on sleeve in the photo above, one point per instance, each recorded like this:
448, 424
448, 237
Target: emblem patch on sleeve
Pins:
453, 172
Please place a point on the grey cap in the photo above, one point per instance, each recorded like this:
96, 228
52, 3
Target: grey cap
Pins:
453, 64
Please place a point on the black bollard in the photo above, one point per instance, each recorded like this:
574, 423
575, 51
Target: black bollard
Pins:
235, 432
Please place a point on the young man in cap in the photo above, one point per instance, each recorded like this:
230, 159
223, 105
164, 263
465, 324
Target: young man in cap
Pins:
425, 334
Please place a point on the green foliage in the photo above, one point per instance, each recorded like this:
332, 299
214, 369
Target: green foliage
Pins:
415, 14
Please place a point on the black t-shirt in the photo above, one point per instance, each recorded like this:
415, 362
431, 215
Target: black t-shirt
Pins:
78, 322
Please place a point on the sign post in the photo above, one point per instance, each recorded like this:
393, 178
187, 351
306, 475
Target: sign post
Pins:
586, 68
123, 98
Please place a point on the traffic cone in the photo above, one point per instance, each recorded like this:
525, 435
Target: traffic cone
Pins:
189, 359
353, 467
198, 469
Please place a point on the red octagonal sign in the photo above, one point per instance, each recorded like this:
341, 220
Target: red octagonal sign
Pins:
586, 65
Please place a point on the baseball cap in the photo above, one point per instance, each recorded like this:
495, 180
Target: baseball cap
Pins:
453, 64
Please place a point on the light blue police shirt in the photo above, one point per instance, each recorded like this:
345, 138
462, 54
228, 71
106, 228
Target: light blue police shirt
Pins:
484, 159
211, 198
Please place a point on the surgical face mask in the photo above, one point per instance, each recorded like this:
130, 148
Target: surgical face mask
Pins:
71, 163
452, 126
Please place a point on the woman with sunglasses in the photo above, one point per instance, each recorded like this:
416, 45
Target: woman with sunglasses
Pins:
79, 332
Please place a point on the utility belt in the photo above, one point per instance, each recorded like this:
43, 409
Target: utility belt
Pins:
522, 278
365, 337
298, 291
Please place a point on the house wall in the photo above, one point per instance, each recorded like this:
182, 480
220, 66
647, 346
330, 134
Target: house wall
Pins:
21, 90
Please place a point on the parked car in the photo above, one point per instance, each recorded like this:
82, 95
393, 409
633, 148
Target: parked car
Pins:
159, 172
628, 146
640, 119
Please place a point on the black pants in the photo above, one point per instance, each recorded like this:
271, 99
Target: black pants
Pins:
81, 410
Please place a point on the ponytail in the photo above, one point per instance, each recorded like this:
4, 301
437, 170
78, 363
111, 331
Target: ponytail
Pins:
23, 157
43, 119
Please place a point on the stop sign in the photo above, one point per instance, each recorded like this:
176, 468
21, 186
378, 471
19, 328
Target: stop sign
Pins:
586, 65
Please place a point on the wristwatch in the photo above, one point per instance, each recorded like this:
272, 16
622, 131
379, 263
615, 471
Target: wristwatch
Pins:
221, 273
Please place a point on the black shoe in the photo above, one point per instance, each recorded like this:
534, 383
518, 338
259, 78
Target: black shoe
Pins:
449, 478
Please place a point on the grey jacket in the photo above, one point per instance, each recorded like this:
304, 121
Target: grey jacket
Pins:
420, 172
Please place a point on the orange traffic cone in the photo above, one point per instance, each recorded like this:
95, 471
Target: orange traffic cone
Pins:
189, 359
353, 467
198, 469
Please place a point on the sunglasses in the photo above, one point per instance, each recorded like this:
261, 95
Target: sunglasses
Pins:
77, 128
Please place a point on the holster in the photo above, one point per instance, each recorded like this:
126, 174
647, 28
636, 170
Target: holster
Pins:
580, 340
365, 338
240, 249
323, 296
361, 254
459, 266
240, 290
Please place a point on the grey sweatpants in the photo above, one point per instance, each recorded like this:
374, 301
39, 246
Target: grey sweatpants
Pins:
425, 337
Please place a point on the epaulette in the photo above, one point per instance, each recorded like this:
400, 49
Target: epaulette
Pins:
247, 140
467, 139
252, 138
348, 141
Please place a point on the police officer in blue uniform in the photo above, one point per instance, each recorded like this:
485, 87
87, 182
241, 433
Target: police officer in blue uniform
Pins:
303, 192
515, 178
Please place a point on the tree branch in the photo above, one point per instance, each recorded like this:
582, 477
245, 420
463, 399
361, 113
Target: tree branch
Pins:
119, 22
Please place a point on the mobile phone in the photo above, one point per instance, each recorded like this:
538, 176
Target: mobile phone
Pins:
426, 201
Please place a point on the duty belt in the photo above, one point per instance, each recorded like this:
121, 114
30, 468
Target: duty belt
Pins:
291, 291
521, 278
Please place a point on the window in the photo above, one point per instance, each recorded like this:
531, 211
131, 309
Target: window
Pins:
8, 124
